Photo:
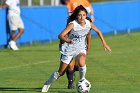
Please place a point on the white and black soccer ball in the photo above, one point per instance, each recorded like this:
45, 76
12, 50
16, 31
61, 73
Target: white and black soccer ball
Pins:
83, 86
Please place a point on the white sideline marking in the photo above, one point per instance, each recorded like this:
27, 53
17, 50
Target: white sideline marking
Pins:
41, 62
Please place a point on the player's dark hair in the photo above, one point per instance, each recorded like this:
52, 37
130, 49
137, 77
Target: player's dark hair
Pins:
88, 19
76, 11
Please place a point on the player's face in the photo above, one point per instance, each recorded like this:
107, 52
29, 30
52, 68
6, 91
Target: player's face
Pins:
81, 16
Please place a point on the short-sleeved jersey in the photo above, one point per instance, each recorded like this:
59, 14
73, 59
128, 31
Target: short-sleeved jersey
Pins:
14, 7
72, 4
78, 36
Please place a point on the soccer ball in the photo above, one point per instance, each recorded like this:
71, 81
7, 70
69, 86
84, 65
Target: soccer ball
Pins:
83, 86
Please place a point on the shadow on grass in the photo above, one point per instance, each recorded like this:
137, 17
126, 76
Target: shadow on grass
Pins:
35, 89
66, 92
19, 89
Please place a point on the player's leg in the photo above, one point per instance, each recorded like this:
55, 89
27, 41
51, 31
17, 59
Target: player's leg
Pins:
65, 60
71, 74
14, 37
54, 76
20, 27
81, 59
13, 27
15, 22
20, 31
70, 70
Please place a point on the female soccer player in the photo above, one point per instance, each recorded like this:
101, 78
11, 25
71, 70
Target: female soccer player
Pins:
71, 5
75, 46
71, 72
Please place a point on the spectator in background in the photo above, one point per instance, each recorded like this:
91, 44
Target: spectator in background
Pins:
71, 5
15, 21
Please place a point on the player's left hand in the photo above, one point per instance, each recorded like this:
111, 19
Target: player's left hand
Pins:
107, 48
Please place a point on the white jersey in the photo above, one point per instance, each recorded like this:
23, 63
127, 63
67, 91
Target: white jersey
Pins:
78, 36
14, 7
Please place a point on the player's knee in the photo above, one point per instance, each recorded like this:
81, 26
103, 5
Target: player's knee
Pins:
61, 73
82, 56
81, 59
21, 30
71, 67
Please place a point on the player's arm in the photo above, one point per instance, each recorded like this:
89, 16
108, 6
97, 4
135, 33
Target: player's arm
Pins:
91, 13
69, 10
4, 6
105, 45
62, 36
91, 10
88, 41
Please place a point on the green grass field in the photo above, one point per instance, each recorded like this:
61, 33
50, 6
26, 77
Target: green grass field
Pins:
26, 70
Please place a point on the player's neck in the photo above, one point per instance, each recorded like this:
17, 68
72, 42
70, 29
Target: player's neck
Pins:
82, 23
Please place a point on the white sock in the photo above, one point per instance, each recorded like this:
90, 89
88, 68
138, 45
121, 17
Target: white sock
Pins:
52, 78
82, 72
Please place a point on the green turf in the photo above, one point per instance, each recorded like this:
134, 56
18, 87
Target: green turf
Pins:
26, 70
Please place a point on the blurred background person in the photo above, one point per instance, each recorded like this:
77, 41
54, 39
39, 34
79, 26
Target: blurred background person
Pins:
15, 21
72, 4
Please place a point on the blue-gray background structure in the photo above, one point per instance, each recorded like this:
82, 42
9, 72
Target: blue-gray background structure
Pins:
46, 22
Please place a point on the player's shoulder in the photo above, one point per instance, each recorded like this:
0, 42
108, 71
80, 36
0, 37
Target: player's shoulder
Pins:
87, 21
70, 25
10, 1
73, 22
